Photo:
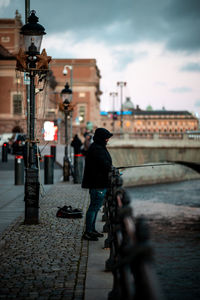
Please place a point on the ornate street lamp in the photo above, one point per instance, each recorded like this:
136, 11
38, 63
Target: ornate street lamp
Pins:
32, 33
65, 72
66, 95
114, 114
121, 84
34, 63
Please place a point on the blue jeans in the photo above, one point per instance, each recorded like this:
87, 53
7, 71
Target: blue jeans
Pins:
96, 201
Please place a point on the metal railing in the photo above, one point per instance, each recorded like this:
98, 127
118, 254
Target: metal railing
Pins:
131, 254
153, 135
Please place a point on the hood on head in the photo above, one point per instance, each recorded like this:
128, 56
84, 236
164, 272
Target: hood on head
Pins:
101, 134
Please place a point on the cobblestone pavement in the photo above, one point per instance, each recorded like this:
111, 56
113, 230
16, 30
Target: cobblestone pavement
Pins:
49, 260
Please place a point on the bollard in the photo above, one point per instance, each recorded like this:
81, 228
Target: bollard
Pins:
4, 153
53, 152
48, 169
78, 168
19, 170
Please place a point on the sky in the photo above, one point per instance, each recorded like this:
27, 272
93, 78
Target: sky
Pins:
152, 45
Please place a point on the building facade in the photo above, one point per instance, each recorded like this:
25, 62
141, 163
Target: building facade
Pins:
12, 110
143, 123
83, 77
14, 89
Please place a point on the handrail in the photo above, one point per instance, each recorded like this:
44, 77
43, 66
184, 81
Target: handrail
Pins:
131, 254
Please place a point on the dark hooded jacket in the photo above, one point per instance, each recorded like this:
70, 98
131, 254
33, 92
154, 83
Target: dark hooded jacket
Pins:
98, 161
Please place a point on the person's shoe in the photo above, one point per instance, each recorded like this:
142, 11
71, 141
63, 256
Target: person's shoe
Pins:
97, 234
90, 236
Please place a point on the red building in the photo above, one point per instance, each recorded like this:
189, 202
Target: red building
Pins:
13, 100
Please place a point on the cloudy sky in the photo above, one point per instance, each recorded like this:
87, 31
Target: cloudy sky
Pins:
153, 45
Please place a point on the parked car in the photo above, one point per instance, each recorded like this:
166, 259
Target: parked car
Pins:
18, 143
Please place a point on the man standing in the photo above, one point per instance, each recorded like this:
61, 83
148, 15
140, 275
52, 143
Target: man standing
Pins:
76, 144
98, 163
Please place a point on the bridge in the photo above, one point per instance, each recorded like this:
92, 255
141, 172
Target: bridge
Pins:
128, 151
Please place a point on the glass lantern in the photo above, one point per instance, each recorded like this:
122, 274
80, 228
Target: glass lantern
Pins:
66, 94
33, 34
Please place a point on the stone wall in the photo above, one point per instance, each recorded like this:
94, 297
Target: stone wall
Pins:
134, 152
145, 152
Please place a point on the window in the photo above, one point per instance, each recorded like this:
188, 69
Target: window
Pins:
17, 104
82, 114
81, 95
5, 39
51, 114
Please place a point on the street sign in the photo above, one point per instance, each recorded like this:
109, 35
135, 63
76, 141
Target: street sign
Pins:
26, 78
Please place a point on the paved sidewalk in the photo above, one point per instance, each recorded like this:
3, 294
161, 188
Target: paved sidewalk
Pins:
30, 255
46, 261
12, 196
50, 260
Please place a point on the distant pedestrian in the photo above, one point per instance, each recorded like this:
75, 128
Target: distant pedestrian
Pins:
78, 159
76, 144
98, 163
88, 141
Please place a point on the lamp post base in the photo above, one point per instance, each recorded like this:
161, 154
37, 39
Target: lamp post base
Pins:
32, 192
66, 169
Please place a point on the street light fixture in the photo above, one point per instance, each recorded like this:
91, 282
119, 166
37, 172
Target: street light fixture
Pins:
121, 84
65, 72
33, 34
34, 63
113, 95
66, 95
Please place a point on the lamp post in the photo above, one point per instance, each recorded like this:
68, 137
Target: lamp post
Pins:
121, 84
27, 13
27, 10
34, 64
66, 95
113, 95
65, 71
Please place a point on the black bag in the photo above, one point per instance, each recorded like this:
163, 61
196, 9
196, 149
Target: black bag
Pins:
69, 212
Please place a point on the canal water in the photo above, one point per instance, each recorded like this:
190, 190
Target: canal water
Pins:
173, 214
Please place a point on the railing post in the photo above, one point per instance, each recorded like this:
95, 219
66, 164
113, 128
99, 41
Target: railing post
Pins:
4, 153
48, 169
19, 170
53, 152
78, 168
130, 252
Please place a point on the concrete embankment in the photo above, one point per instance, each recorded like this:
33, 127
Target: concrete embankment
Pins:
157, 174
136, 152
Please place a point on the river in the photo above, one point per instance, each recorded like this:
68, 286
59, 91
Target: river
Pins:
173, 214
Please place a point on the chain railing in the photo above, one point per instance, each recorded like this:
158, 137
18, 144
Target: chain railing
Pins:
131, 253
